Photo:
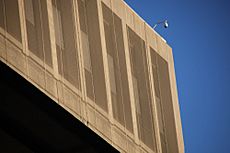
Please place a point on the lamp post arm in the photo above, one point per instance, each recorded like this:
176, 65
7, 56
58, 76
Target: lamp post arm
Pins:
160, 22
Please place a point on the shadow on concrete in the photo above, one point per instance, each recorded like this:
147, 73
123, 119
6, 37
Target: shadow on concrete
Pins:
32, 122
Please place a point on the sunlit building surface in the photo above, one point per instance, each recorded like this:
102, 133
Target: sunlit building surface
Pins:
100, 62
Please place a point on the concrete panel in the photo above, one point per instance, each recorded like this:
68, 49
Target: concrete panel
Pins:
36, 73
119, 138
103, 125
60, 92
91, 116
118, 8
131, 146
51, 85
161, 48
129, 17
83, 108
142, 150
151, 37
71, 100
139, 26
2, 47
15, 57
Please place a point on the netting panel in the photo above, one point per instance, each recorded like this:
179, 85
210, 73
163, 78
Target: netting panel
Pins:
95, 77
13, 26
117, 68
141, 89
65, 31
38, 29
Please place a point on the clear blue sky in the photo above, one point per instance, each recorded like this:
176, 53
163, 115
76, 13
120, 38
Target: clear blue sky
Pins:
199, 33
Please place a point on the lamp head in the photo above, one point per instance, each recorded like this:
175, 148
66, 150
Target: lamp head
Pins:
166, 24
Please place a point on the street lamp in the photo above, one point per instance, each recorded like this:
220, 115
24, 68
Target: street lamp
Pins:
164, 22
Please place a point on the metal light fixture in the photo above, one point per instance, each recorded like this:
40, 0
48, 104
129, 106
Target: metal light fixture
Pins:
164, 22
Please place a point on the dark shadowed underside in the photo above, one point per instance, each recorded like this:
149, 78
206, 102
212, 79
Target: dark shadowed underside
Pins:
32, 122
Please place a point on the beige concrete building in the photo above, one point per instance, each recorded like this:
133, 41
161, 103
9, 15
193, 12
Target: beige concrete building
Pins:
102, 63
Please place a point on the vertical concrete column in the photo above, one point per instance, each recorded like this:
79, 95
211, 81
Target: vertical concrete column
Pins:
176, 108
105, 61
59, 85
23, 26
3, 35
130, 81
52, 38
149, 35
81, 62
23, 33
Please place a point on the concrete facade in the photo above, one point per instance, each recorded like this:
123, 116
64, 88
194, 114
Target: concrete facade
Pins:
102, 63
